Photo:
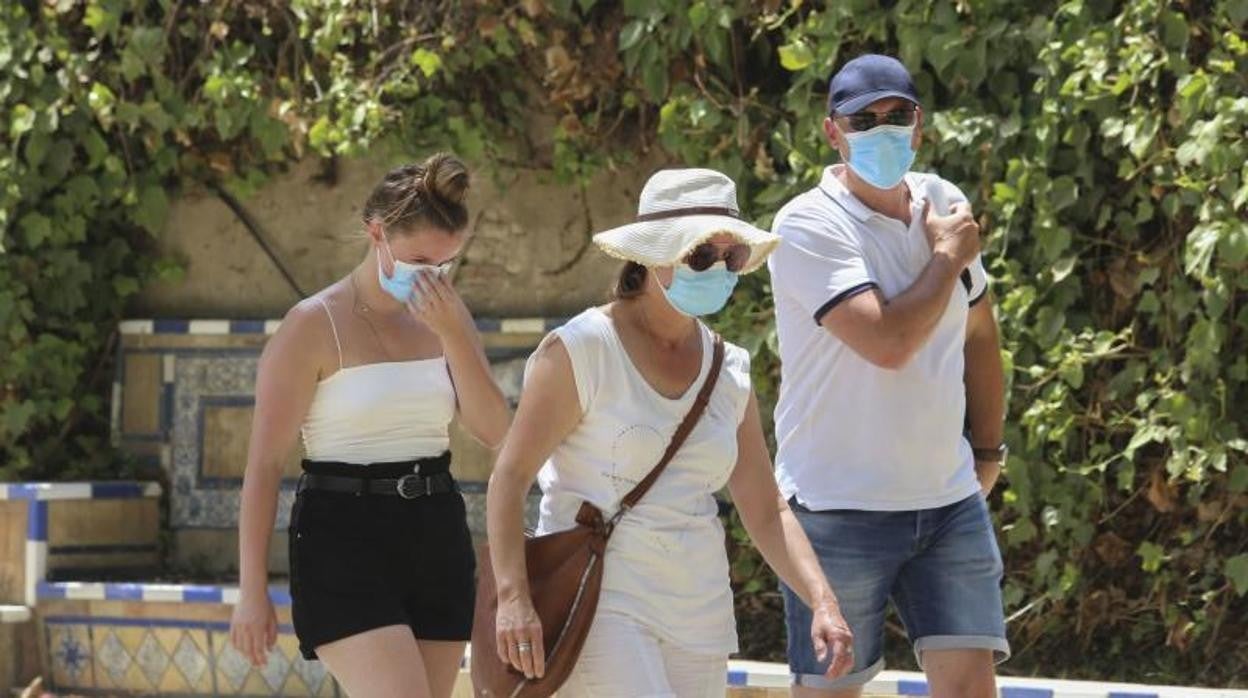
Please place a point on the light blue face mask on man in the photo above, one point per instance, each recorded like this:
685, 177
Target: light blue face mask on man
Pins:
400, 284
696, 293
882, 155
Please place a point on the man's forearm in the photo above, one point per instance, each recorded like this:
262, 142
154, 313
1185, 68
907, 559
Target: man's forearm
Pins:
914, 313
889, 331
985, 397
985, 393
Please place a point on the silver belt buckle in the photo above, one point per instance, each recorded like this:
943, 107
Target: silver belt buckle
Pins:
410, 491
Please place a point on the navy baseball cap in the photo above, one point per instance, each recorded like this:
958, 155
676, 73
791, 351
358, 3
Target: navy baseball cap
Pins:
867, 79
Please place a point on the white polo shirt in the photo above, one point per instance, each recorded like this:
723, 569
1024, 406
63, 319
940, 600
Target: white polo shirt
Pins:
852, 435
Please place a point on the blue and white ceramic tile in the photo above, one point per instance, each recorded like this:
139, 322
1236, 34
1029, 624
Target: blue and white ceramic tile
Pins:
70, 650
313, 674
152, 660
190, 659
112, 657
196, 378
276, 670
232, 667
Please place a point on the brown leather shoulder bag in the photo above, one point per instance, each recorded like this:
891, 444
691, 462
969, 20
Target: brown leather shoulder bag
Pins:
565, 577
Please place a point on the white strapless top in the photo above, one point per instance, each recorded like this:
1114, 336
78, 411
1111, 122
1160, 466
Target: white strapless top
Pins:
382, 412
373, 413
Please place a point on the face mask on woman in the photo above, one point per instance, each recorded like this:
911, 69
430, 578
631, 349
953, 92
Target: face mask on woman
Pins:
400, 284
697, 293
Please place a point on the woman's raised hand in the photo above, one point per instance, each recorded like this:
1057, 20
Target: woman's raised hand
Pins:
437, 304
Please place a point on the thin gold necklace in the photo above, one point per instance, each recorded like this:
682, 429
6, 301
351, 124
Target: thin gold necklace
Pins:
362, 310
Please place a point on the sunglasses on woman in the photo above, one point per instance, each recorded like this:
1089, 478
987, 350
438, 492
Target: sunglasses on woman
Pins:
705, 256
867, 120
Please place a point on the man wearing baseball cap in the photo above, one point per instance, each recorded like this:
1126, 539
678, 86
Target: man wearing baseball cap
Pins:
889, 422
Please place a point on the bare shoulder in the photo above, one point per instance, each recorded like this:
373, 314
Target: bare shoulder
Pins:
305, 320
305, 337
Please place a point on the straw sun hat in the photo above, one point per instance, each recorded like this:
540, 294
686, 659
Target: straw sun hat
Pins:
679, 210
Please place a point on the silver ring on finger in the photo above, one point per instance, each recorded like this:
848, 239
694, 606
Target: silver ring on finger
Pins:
523, 647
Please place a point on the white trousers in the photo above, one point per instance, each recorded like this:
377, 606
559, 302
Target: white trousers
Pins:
623, 659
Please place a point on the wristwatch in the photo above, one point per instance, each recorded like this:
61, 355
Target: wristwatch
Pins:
992, 455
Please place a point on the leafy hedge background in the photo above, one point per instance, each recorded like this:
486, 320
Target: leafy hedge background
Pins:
1102, 143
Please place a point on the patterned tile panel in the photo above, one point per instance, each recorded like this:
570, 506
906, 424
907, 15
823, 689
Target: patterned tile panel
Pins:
172, 656
200, 382
121, 655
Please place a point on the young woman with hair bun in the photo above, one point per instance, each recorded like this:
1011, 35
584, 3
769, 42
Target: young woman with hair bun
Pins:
369, 372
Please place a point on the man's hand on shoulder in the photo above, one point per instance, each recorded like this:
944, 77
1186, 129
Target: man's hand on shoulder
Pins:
955, 236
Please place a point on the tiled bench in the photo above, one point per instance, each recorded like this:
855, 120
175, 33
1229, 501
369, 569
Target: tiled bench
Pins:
72, 528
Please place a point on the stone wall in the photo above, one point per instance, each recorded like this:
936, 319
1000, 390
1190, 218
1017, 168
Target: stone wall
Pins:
528, 255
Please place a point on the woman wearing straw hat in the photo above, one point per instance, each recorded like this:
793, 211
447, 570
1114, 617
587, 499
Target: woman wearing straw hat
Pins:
603, 395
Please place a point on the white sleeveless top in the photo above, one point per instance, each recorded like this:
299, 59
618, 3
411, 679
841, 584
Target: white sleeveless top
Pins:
666, 564
381, 412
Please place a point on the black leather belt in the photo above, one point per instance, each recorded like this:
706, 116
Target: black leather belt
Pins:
409, 486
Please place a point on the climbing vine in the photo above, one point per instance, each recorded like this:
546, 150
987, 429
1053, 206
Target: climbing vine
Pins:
1102, 144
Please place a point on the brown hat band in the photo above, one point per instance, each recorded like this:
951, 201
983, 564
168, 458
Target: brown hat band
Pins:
691, 211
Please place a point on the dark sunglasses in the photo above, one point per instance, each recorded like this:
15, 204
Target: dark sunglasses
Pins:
867, 120
707, 254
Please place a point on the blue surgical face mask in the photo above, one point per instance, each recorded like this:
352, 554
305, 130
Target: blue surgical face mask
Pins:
881, 156
400, 284
697, 293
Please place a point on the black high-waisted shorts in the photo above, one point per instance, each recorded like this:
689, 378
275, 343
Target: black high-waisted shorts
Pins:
360, 562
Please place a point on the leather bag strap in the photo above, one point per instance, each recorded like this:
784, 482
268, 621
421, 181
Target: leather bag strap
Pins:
682, 432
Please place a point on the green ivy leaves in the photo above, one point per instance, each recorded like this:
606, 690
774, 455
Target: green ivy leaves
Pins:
796, 56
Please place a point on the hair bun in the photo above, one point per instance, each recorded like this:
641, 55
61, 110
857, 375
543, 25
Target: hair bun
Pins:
445, 178
413, 196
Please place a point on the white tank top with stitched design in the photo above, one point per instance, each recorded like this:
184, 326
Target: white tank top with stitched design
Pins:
380, 412
666, 565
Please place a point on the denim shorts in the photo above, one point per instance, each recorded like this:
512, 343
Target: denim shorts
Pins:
941, 567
